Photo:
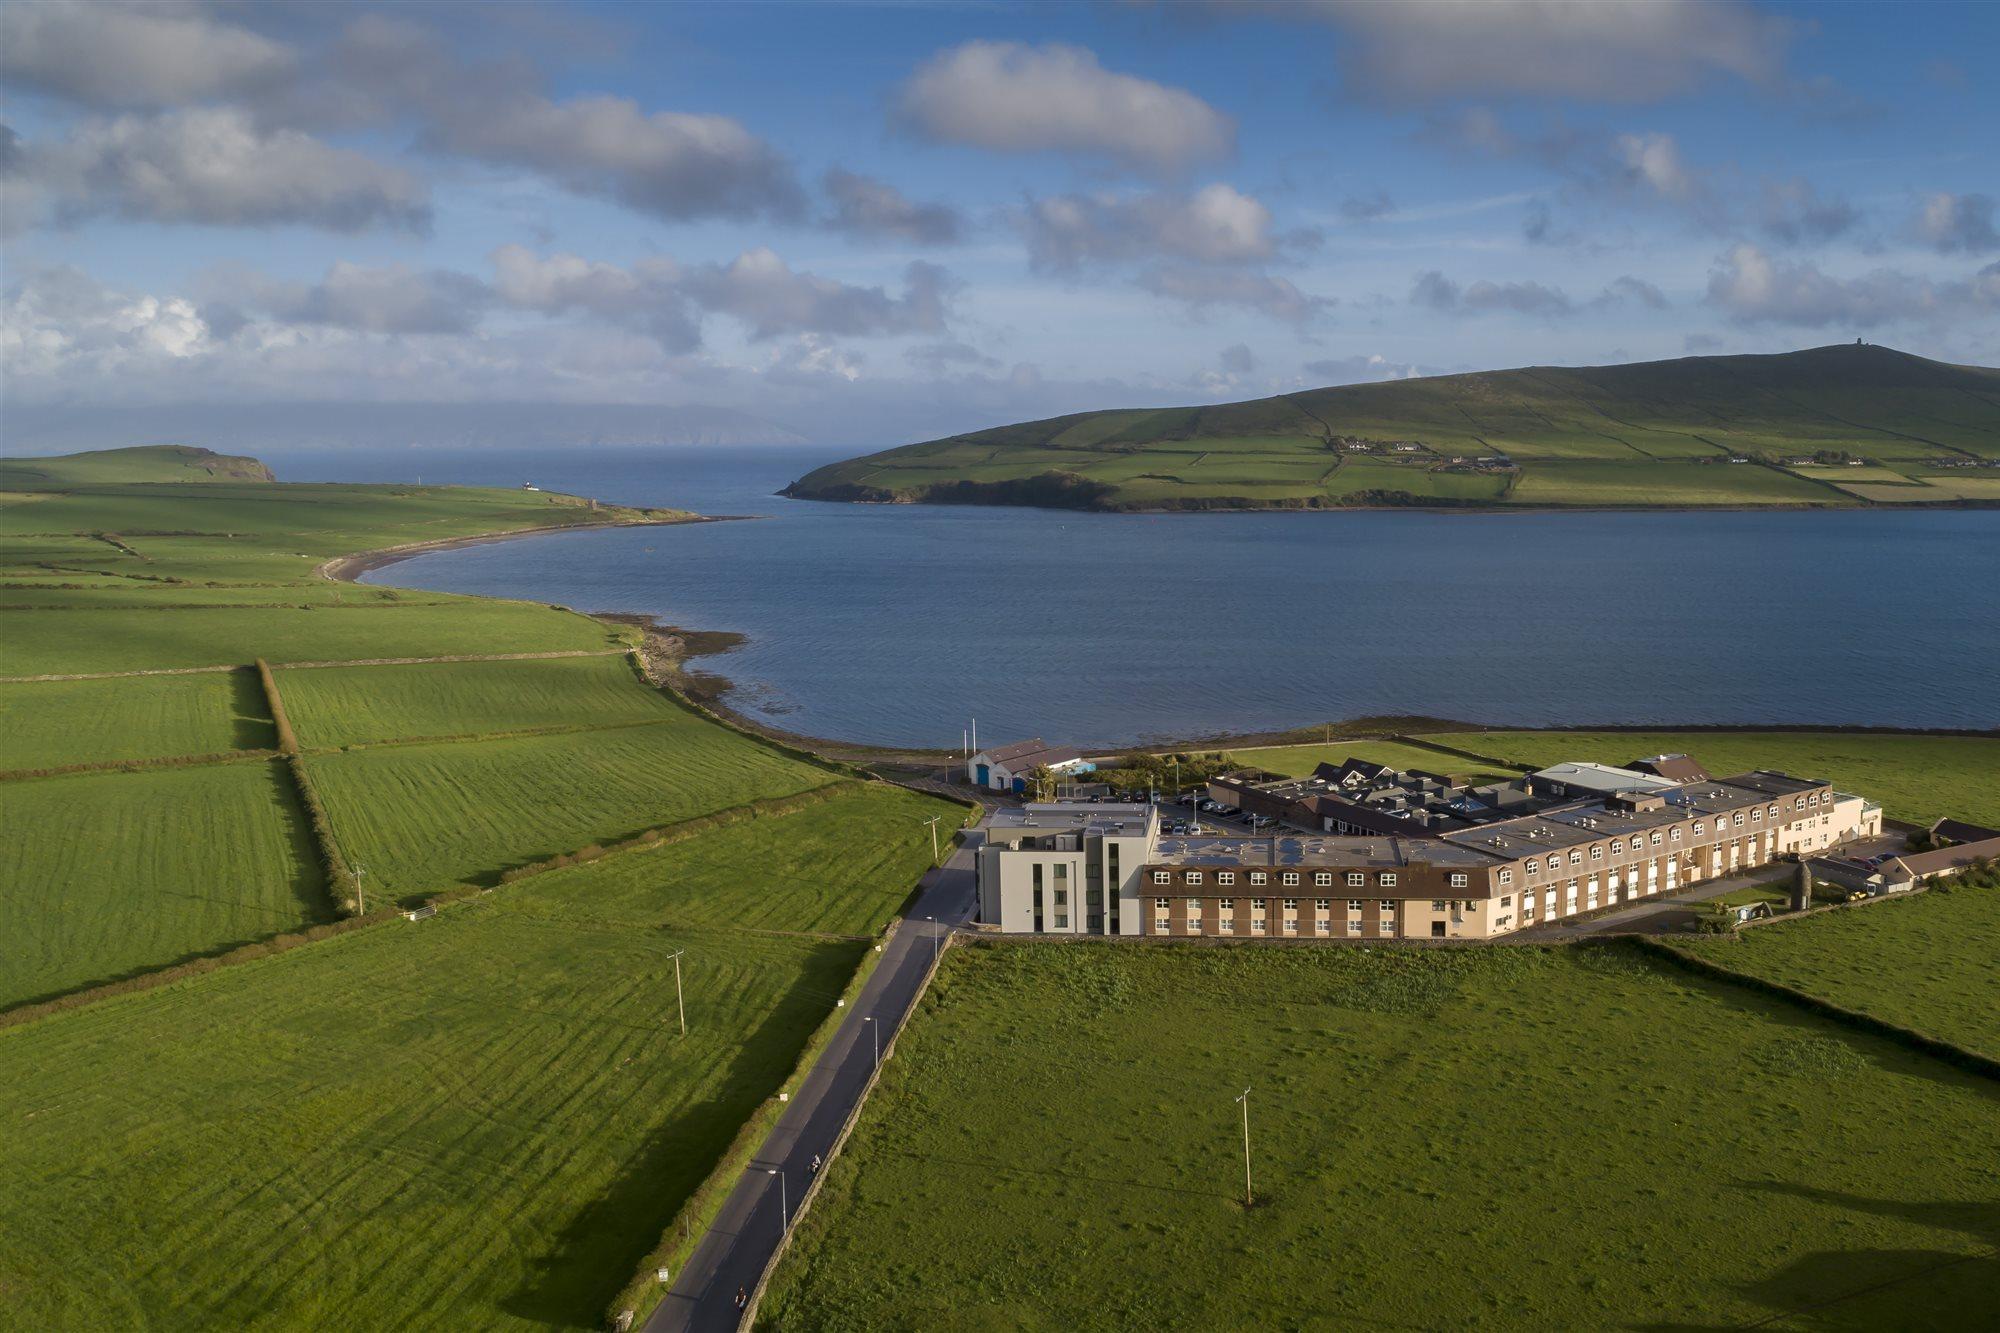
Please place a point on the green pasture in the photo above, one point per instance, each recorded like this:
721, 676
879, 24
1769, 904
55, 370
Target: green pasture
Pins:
1300, 760
1585, 482
335, 706
1926, 961
107, 874
1505, 1138
425, 817
48, 724
1914, 778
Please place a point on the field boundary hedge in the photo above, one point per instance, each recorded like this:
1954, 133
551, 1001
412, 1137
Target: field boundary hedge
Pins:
342, 887
194, 967
689, 1224
1909, 1038
140, 765
1453, 750
662, 835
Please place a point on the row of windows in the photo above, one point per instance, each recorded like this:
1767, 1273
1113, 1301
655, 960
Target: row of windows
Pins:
1290, 878
1258, 926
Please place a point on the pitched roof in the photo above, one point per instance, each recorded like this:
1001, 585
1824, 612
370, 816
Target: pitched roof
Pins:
1672, 767
1946, 860
1032, 754
1957, 830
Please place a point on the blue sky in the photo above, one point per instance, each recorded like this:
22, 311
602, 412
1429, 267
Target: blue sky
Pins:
874, 223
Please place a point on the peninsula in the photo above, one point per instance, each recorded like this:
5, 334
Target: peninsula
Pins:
1840, 426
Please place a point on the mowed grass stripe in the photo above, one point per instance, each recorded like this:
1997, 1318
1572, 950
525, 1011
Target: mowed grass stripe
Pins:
107, 874
46, 724
424, 817
332, 706
483, 1119
1512, 1138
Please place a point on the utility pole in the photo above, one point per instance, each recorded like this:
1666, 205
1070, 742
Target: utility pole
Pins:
680, 1003
1244, 1102
933, 822
360, 898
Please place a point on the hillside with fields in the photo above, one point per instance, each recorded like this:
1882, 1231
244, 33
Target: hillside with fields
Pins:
388, 898
1840, 426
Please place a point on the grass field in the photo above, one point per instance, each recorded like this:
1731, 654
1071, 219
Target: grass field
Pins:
104, 874
424, 817
1647, 434
1926, 962
480, 1120
332, 706
1501, 1139
1299, 760
45, 724
1916, 778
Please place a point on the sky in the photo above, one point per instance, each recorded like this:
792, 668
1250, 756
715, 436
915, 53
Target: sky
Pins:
873, 223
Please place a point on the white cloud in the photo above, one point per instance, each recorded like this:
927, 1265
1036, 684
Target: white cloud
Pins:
395, 299
1794, 212
1012, 97
1437, 292
213, 166
1654, 161
1215, 225
1753, 288
119, 55
1604, 50
1357, 369
1957, 222
669, 164
868, 207
1205, 288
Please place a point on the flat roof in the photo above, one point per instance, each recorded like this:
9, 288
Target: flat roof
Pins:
1065, 816
1327, 850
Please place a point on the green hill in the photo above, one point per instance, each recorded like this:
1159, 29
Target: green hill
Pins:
143, 464
1832, 426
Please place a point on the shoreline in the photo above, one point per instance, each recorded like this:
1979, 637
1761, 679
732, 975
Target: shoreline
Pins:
349, 568
1478, 510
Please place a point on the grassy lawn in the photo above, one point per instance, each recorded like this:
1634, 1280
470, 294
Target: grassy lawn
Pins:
1916, 778
480, 1120
1298, 760
332, 706
104, 874
1778, 893
47, 724
424, 817
1503, 1138
1925, 962
78, 641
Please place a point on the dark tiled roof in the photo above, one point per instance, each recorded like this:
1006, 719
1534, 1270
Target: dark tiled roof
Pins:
1957, 830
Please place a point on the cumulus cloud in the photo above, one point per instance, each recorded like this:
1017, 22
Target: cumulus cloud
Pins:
1635, 290
1437, 292
1545, 48
868, 207
1013, 97
1205, 288
393, 299
1793, 212
1654, 162
1754, 288
214, 166
1214, 225
59, 319
1356, 369
112, 55
669, 164
1951, 223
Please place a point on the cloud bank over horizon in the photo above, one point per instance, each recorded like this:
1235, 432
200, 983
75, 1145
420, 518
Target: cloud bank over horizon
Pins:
863, 226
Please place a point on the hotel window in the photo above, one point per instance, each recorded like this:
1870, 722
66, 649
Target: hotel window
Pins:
1162, 904
1756, 816
1225, 906
1225, 877
1697, 828
1437, 904
1323, 905
1257, 877
1459, 880
1656, 837
1506, 877
1355, 879
1773, 810
1194, 877
1576, 858
1322, 877
1353, 904
1739, 819
1674, 834
1386, 880
1062, 897
1387, 906
1226, 926
1534, 867
1509, 902
1289, 879
1617, 846
1354, 926
1597, 853
1163, 877
1555, 861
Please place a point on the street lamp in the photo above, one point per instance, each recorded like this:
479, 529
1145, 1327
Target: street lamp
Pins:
1244, 1101
784, 1211
875, 1039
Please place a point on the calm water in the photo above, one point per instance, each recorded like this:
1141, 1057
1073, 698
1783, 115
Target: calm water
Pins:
897, 624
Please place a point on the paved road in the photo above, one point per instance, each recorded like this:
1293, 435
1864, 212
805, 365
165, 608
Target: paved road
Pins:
741, 1239
1661, 914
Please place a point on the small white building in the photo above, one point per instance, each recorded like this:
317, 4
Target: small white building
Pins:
1006, 767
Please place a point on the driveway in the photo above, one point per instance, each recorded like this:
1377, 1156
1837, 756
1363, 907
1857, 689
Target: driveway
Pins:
1661, 915
745, 1232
